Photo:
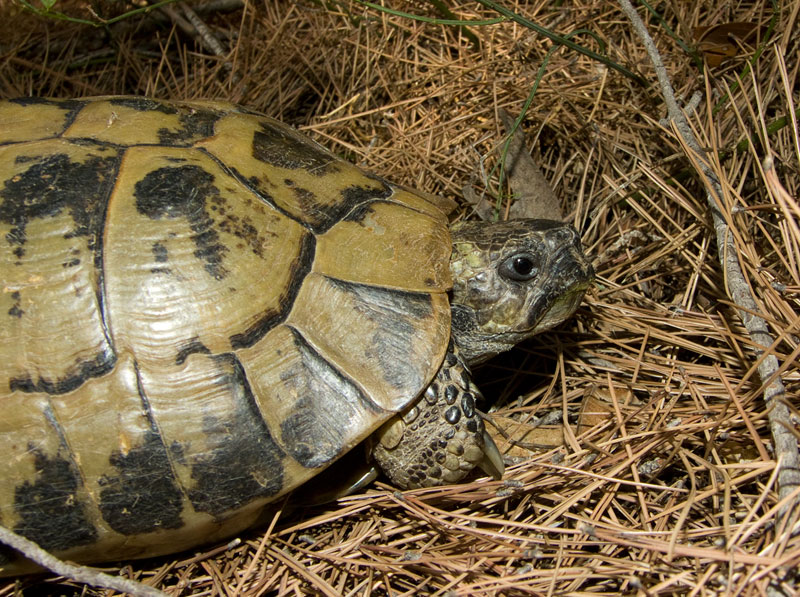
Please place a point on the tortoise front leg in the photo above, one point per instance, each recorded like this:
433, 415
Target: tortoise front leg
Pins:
440, 438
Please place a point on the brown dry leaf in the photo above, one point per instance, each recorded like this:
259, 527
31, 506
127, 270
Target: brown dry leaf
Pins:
719, 42
534, 195
521, 439
597, 407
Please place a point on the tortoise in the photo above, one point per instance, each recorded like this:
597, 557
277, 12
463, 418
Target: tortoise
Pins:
205, 309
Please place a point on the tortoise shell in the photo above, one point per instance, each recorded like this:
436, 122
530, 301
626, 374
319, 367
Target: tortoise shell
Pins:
203, 309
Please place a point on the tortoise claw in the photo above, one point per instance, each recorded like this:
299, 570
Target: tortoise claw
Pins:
492, 461
346, 476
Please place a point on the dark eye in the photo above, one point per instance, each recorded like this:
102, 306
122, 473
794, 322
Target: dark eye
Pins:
521, 267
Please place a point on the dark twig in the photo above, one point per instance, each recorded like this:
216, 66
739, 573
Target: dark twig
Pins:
191, 24
208, 39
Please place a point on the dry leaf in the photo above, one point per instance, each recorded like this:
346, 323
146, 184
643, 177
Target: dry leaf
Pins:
596, 408
719, 42
519, 440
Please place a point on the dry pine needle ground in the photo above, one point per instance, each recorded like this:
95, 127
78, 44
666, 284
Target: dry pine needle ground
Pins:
644, 458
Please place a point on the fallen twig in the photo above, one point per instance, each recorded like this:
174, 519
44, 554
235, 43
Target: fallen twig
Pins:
785, 444
82, 574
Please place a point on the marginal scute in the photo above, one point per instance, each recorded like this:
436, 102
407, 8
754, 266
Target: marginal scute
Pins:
208, 415
240, 442
130, 122
278, 146
347, 325
389, 245
425, 203
21, 121
41, 483
126, 469
140, 494
49, 497
248, 145
320, 411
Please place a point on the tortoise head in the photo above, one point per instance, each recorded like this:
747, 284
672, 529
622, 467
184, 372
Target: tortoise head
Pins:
512, 280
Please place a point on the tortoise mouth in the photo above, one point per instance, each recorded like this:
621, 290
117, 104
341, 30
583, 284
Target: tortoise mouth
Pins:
561, 308
570, 274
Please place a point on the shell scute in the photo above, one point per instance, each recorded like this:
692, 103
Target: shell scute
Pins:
125, 470
201, 236
52, 198
25, 119
346, 323
46, 480
389, 245
51, 496
140, 494
210, 422
142, 121
319, 411
292, 172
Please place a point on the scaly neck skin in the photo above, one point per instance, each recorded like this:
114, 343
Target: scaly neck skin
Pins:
512, 280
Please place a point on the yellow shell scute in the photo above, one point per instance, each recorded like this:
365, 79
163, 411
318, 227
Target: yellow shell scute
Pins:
53, 319
389, 245
348, 324
20, 121
316, 412
138, 121
299, 176
225, 253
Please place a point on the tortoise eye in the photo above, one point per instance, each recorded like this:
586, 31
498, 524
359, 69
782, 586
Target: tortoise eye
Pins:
520, 267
